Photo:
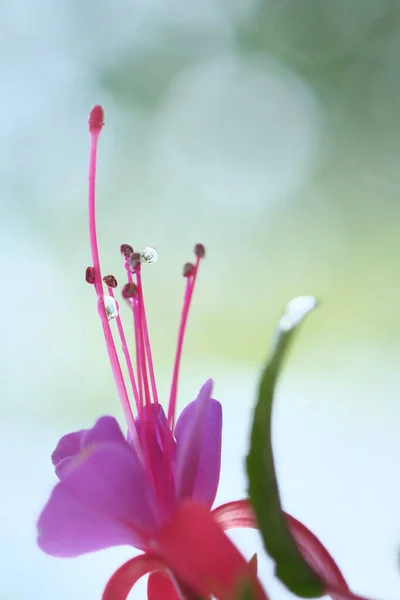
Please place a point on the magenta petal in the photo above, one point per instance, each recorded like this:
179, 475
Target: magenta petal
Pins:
104, 500
198, 436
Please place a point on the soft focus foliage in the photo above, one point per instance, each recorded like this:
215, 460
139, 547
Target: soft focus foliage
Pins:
269, 131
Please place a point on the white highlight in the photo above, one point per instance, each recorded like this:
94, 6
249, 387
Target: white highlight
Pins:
296, 310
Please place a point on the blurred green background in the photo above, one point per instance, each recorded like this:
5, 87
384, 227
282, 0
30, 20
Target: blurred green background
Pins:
269, 131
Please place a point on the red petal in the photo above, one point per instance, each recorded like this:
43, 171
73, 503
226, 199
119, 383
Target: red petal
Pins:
197, 550
317, 556
160, 587
124, 579
240, 514
233, 515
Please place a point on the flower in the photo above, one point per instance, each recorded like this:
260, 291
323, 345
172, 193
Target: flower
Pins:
154, 488
106, 496
116, 489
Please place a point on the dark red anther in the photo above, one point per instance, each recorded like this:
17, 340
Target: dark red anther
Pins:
89, 276
188, 269
199, 250
126, 250
134, 261
129, 291
110, 281
96, 119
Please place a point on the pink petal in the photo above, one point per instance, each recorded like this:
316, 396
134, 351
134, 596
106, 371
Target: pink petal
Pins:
240, 514
104, 500
160, 587
124, 579
200, 554
198, 434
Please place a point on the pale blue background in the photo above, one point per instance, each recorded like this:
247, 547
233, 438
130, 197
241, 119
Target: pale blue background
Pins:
269, 131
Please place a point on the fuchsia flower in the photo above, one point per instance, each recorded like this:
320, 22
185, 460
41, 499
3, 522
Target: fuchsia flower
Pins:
154, 488
117, 490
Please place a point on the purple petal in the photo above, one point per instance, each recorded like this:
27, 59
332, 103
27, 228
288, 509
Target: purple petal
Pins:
104, 500
198, 434
106, 429
67, 447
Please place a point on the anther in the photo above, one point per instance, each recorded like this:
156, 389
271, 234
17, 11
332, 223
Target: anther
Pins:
134, 261
110, 281
188, 269
96, 119
126, 250
199, 250
89, 276
129, 291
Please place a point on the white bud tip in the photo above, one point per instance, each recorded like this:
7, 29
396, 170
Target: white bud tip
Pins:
295, 311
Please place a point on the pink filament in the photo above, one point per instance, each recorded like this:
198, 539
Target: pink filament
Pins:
143, 387
127, 355
181, 334
147, 345
144, 352
139, 370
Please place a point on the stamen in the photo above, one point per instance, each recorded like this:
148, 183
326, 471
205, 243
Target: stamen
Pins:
139, 371
199, 250
134, 295
127, 355
89, 275
147, 344
146, 367
126, 250
188, 269
110, 281
134, 262
143, 363
117, 372
140, 321
129, 291
191, 276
